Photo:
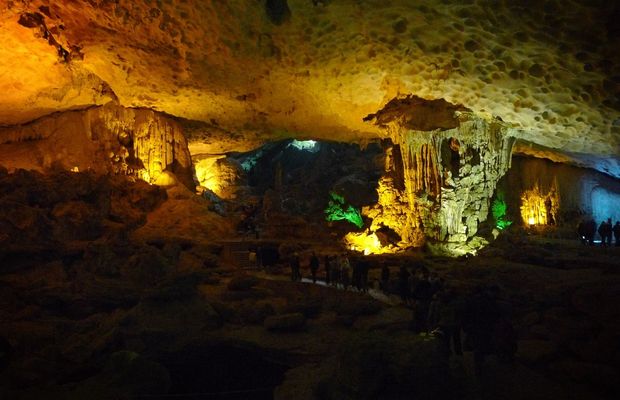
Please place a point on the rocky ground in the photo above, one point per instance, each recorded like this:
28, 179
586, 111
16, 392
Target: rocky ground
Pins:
112, 290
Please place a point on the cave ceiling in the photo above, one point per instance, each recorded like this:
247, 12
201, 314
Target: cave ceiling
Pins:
267, 69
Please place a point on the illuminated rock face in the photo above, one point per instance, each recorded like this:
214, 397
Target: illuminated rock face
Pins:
573, 193
109, 139
315, 68
218, 174
438, 181
539, 208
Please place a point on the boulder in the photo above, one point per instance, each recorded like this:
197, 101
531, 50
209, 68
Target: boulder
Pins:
76, 220
598, 300
530, 318
356, 306
285, 322
602, 377
535, 350
146, 267
242, 282
386, 366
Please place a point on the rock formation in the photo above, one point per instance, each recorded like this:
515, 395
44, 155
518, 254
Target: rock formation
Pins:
441, 172
111, 139
580, 192
315, 68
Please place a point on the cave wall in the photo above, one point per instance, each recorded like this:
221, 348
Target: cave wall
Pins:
582, 192
108, 139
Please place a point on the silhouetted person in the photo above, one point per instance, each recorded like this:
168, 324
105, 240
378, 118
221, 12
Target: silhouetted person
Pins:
314, 266
549, 214
259, 257
336, 272
6, 352
481, 314
345, 274
604, 230
365, 267
385, 278
505, 340
608, 231
345, 271
590, 231
295, 274
328, 269
616, 231
435, 282
581, 232
422, 295
356, 276
444, 317
403, 285
601, 232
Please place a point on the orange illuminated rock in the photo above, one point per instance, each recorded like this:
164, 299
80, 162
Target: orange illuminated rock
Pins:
110, 139
315, 69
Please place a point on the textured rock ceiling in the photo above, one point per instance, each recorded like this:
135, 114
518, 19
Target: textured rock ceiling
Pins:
317, 68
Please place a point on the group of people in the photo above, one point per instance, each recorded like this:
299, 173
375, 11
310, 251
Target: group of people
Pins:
587, 230
439, 309
339, 271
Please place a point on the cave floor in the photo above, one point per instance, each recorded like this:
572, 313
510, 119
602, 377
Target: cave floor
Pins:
68, 322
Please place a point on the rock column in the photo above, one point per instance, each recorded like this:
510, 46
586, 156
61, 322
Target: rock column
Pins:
439, 179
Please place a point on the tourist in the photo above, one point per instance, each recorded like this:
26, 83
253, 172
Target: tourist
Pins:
6, 352
435, 282
590, 231
581, 232
364, 275
505, 340
604, 230
295, 273
403, 285
481, 314
616, 231
422, 295
328, 271
356, 276
385, 278
259, 257
608, 231
444, 318
345, 272
336, 272
314, 266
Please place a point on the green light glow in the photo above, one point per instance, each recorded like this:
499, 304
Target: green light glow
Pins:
337, 210
499, 213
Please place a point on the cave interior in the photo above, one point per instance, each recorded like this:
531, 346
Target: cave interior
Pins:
173, 175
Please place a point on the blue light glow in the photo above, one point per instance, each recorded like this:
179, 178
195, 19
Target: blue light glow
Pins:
605, 204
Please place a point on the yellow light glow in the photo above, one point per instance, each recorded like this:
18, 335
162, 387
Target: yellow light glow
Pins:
209, 175
144, 175
538, 208
366, 242
363, 242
